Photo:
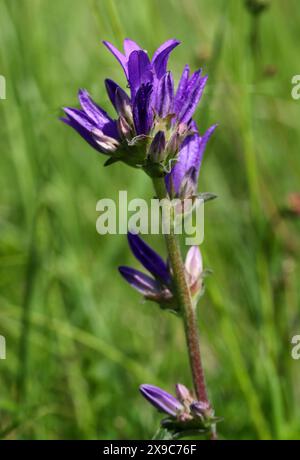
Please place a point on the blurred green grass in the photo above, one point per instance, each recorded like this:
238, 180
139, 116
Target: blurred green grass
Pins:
79, 340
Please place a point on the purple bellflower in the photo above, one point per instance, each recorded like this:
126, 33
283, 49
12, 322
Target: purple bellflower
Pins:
154, 126
182, 181
184, 409
163, 401
158, 287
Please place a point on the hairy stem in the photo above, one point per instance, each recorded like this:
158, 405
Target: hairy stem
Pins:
187, 309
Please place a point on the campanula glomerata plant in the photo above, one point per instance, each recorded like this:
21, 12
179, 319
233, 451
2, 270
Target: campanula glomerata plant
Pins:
154, 130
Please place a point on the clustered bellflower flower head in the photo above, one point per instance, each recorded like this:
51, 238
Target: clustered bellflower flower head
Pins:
154, 127
159, 287
184, 412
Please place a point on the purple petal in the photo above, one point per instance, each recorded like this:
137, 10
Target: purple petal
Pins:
164, 95
203, 141
120, 57
192, 95
85, 133
189, 151
80, 117
139, 281
115, 94
149, 258
111, 88
181, 89
107, 144
161, 56
190, 155
130, 46
142, 110
86, 127
199, 408
97, 117
188, 186
139, 71
160, 399
93, 111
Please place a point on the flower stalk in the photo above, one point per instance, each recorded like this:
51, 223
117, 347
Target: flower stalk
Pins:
186, 306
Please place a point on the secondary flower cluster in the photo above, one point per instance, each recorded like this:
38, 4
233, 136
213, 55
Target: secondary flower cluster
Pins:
159, 287
184, 412
154, 127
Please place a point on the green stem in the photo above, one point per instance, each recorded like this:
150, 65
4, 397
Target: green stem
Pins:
187, 309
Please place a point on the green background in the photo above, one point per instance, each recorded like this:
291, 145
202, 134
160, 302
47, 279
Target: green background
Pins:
79, 339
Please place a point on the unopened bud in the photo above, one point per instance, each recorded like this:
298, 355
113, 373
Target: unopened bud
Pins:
173, 144
200, 409
123, 105
124, 128
193, 263
194, 270
182, 393
189, 184
157, 147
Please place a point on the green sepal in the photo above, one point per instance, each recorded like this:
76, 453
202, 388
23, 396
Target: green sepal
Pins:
207, 196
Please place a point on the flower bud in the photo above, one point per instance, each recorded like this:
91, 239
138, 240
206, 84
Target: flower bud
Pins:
188, 184
162, 400
124, 128
194, 269
200, 408
123, 105
157, 148
193, 263
173, 144
182, 393
184, 413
